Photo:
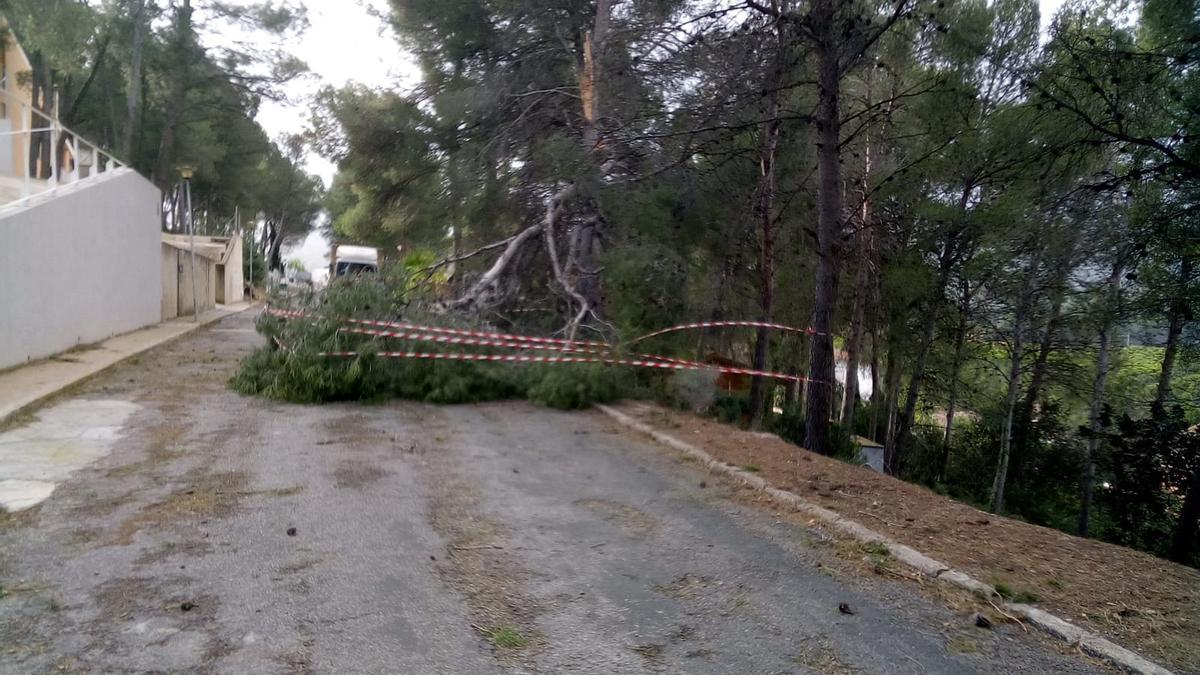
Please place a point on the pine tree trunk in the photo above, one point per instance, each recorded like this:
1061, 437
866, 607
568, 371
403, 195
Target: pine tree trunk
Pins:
1097, 404
862, 284
1178, 317
960, 342
876, 390
891, 389
829, 212
1023, 417
894, 453
133, 94
1000, 482
854, 348
581, 270
765, 215
1010, 406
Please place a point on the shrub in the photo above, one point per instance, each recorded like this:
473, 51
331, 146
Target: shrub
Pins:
694, 390
569, 387
730, 408
789, 425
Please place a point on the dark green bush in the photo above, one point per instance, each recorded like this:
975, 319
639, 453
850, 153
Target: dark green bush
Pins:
573, 386
789, 425
291, 367
730, 408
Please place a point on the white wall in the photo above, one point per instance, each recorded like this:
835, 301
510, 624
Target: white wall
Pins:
235, 280
79, 266
206, 283
170, 282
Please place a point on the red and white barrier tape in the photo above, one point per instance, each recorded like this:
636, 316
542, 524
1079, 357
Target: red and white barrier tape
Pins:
728, 324
528, 358
511, 344
451, 331
422, 334
598, 350
483, 334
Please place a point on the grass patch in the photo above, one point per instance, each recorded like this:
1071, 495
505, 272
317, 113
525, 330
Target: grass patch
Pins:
21, 418
877, 553
507, 637
13, 520
752, 468
962, 645
1017, 595
875, 548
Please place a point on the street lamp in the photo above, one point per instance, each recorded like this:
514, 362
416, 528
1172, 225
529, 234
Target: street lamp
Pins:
187, 172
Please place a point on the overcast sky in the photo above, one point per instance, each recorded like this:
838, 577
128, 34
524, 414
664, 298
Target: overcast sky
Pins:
344, 43
347, 43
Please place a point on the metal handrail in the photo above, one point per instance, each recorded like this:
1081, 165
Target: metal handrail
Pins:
80, 152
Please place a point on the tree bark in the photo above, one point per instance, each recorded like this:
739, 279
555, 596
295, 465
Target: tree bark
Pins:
960, 342
71, 116
1097, 404
894, 453
488, 283
862, 291
891, 389
274, 260
1014, 384
582, 267
854, 349
876, 389
764, 212
133, 95
1023, 417
829, 212
1179, 315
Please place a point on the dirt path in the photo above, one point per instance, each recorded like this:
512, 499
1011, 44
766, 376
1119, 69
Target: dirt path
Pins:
496, 538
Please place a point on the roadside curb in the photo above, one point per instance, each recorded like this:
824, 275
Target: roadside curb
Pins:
1089, 642
42, 397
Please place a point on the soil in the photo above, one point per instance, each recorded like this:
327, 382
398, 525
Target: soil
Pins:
1141, 602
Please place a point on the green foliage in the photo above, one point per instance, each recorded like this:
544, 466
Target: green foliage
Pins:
789, 425
293, 369
1144, 456
507, 637
1044, 465
842, 445
254, 265
1017, 595
568, 387
730, 408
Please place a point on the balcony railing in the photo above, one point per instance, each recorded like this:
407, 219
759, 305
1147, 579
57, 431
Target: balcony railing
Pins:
38, 153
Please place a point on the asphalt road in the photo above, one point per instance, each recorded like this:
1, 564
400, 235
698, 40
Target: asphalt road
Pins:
475, 539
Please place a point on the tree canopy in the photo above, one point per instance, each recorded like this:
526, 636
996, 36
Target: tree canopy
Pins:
163, 85
996, 223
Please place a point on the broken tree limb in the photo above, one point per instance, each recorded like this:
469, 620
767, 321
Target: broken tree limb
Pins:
486, 285
550, 229
466, 256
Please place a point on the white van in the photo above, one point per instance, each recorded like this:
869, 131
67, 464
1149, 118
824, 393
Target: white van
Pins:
346, 260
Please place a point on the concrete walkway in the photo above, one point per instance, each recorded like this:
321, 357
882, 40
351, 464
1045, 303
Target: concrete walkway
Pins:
26, 385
